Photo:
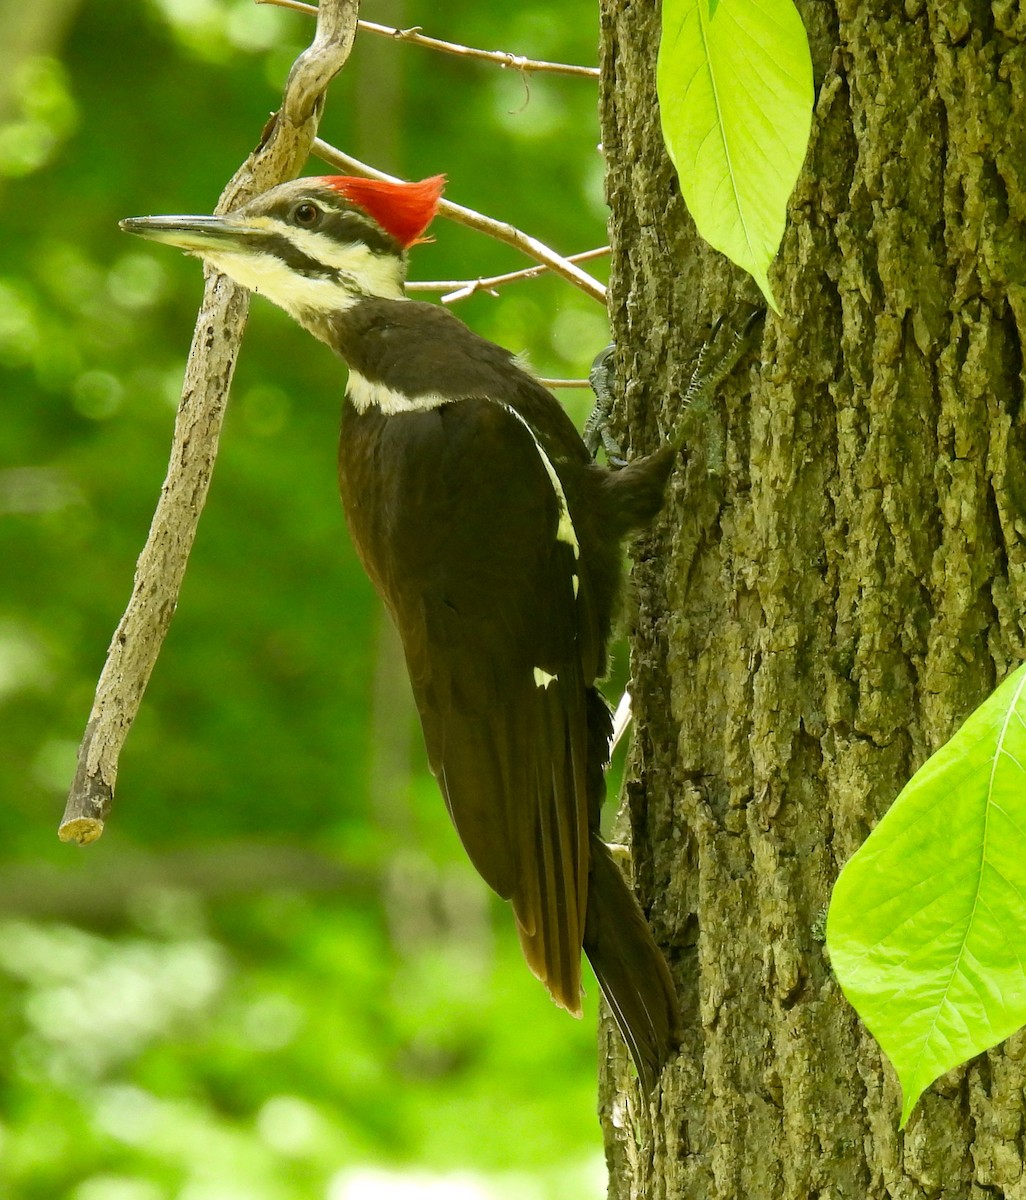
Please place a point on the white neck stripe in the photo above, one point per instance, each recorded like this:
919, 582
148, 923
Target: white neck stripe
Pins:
363, 394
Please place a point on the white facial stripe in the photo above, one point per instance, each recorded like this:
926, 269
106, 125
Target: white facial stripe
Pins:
268, 275
542, 678
377, 274
360, 271
317, 246
352, 258
364, 394
565, 531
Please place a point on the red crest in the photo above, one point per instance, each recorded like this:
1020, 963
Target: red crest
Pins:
404, 210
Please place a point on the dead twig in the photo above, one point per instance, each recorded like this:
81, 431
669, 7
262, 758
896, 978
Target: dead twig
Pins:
499, 230
502, 58
283, 150
460, 289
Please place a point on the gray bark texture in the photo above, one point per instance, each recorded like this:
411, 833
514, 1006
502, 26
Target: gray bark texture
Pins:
838, 579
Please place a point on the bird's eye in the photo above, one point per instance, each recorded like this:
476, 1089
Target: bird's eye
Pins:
306, 214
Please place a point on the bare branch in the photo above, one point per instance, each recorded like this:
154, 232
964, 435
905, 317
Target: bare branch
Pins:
503, 58
515, 62
467, 216
460, 289
283, 149
564, 383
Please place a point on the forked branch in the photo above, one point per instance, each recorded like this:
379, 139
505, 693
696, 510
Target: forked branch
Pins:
460, 289
499, 230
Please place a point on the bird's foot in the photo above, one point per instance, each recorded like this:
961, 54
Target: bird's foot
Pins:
705, 380
597, 431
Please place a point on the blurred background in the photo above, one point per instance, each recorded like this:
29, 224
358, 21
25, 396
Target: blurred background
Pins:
276, 977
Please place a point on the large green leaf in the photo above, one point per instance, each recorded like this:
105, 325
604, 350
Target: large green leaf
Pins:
735, 94
927, 924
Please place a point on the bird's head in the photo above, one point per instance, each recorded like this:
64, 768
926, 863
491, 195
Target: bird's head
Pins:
313, 246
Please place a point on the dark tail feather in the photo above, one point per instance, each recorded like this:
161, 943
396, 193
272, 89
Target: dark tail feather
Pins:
630, 968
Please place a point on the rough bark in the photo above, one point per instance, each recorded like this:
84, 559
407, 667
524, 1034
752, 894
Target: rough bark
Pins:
838, 580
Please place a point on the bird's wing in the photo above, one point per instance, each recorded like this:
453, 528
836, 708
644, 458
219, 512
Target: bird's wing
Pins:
463, 525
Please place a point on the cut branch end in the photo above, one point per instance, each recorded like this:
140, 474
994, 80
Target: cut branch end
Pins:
81, 830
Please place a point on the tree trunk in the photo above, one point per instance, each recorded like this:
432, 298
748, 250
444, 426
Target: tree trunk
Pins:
837, 581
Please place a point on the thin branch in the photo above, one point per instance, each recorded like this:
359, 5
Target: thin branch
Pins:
460, 289
564, 383
503, 58
515, 62
474, 220
283, 149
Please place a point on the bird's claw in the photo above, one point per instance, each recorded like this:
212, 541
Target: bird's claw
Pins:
597, 432
705, 382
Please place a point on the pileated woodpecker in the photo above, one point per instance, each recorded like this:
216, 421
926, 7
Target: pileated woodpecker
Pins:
494, 540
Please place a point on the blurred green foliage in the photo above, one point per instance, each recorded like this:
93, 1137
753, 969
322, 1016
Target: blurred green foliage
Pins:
276, 976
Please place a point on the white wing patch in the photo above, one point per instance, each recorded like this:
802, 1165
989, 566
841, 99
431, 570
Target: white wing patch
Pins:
364, 394
542, 678
565, 531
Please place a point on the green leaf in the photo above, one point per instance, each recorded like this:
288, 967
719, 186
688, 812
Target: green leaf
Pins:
927, 923
735, 95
